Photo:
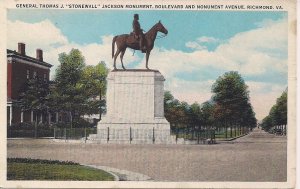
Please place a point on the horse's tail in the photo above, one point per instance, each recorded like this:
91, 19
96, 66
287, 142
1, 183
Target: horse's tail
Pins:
113, 46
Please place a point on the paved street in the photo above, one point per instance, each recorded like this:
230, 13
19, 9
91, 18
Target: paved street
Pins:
258, 156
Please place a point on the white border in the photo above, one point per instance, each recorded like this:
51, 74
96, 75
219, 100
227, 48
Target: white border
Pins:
289, 5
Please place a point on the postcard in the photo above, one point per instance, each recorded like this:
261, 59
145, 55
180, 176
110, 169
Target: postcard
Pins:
148, 94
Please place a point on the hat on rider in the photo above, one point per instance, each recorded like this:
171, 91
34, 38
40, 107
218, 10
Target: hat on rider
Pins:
136, 16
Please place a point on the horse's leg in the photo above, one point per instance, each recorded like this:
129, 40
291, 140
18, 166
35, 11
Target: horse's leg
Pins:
121, 57
115, 58
147, 58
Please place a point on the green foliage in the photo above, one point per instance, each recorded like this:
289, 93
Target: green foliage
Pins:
78, 123
277, 114
34, 95
29, 160
93, 81
229, 107
207, 110
175, 112
231, 97
78, 89
67, 93
27, 169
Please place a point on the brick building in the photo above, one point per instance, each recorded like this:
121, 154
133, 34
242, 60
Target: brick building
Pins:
21, 67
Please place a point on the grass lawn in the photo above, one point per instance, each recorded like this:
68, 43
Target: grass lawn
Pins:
222, 135
53, 170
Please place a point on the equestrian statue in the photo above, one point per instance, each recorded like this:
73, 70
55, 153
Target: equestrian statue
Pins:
137, 40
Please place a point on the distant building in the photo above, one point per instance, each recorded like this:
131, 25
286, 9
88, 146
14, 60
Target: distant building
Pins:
21, 67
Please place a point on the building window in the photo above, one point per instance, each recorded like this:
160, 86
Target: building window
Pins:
34, 74
27, 74
45, 77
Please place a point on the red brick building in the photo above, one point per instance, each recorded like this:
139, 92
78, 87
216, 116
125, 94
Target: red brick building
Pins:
21, 67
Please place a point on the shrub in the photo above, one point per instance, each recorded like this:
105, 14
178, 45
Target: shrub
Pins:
29, 160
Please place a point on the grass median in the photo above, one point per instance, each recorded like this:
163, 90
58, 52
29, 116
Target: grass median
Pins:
32, 169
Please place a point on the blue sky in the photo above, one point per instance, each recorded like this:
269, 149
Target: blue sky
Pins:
84, 27
200, 46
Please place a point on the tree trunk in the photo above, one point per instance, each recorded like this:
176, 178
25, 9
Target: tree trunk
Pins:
234, 130
100, 112
35, 125
71, 119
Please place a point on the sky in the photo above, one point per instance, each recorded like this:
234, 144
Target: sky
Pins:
200, 46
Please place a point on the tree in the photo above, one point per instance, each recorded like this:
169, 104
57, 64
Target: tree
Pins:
34, 97
278, 113
67, 95
231, 98
267, 123
207, 109
195, 115
281, 103
174, 111
93, 81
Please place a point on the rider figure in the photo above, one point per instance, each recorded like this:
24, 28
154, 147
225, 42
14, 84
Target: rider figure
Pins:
138, 32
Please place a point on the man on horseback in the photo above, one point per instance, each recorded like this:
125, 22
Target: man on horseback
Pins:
138, 32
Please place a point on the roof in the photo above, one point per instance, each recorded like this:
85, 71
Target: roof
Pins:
15, 54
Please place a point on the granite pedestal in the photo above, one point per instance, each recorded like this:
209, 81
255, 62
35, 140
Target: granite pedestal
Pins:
135, 109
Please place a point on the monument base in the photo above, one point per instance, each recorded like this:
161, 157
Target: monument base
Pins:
157, 132
135, 109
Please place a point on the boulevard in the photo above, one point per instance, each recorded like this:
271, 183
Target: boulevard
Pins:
258, 156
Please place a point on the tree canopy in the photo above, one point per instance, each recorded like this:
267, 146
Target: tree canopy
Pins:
34, 96
78, 89
229, 106
277, 114
231, 96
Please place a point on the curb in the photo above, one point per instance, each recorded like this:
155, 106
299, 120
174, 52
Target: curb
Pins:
231, 139
122, 175
116, 177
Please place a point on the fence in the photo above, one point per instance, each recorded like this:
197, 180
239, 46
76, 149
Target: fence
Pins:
209, 132
74, 133
231, 132
59, 133
195, 134
278, 130
29, 132
129, 134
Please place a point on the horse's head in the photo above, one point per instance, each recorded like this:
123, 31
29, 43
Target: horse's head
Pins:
160, 27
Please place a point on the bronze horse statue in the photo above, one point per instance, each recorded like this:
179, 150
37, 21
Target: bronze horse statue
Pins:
126, 40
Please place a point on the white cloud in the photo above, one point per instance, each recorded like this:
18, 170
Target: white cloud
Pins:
256, 52
201, 42
205, 39
50, 39
43, 35
189, 91
263, 101
195, 45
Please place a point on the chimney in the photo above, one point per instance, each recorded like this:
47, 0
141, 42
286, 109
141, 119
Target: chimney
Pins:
21, 48
39, 54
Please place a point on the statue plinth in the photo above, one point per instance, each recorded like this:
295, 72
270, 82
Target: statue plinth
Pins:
135, 108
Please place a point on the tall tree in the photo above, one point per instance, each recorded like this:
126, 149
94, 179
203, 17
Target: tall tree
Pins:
68, 92
93, 81
34, 97
231, 96
278, 113
174, 111
195, 115
207, 109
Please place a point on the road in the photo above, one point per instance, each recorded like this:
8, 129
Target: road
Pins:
258, 156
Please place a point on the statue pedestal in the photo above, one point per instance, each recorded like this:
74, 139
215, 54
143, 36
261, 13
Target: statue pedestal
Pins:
135, 109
